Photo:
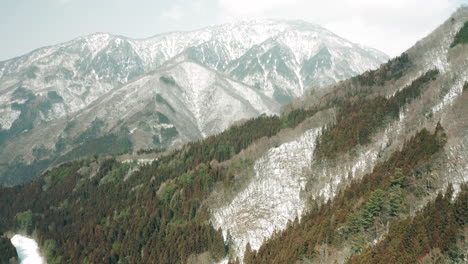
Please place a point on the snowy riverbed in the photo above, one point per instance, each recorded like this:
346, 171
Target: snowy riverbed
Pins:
28, 251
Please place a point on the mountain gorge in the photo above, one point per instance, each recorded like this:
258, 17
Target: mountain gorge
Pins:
371, 169
261, 64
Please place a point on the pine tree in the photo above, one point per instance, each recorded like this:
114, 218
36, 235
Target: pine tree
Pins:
398, 178
354, 222
394, 200
249, 255
358, 243
216, 245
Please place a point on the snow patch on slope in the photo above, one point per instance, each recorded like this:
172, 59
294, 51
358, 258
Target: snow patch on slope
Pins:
254, 98
197, 84
7, 117
97, 42
272, 198
28, 251
454, 92
437, 54
326, 177
458, 163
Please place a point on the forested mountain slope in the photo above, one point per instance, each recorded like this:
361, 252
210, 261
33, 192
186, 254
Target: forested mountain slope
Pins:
372, 169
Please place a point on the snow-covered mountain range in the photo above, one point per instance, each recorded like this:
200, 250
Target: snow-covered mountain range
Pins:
261, 64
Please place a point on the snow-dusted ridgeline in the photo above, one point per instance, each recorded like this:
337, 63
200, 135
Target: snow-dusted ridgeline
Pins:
84, 69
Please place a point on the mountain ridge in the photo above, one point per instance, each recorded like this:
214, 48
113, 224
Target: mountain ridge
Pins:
56, 82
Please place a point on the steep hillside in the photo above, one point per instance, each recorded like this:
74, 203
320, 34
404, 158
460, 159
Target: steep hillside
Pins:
353, 173
376, 112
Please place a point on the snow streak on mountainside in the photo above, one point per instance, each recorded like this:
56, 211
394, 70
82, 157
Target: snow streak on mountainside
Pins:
275, 195
272, 198
188, 98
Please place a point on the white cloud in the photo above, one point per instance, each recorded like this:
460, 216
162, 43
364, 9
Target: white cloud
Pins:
247, 8
63, 2
389, 25
174, 13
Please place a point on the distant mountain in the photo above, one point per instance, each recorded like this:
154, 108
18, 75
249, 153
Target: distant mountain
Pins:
182, 102
286, 65
277, 60
286, 55
172, 105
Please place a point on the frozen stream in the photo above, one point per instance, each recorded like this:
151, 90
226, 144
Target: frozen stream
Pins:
28, 251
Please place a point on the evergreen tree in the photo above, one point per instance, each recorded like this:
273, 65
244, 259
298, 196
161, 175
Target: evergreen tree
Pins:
394, 200
373, 207
398, 179
358, 243
354, 223
249, 255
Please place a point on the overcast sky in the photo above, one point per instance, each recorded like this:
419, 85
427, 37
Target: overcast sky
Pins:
391, 26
